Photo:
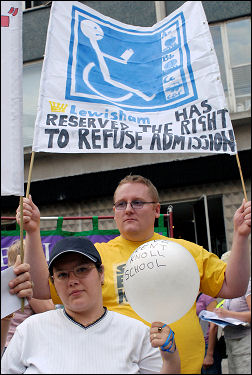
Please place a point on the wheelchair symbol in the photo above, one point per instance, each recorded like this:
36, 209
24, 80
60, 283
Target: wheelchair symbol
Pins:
94, 33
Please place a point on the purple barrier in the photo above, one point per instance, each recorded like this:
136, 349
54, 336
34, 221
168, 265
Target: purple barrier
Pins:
47, 242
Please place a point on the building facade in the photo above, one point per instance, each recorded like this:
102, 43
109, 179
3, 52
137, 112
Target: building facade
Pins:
203, 190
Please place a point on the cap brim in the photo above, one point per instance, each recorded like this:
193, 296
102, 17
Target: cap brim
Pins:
71, 251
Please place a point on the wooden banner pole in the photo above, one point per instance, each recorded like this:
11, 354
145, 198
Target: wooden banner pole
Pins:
242, 181
29, 175
21, 241
21, 218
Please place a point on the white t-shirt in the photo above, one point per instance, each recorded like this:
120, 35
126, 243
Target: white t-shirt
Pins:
238, 304
53, 343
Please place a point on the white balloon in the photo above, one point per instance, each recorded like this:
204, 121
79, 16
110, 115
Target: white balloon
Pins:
161, 281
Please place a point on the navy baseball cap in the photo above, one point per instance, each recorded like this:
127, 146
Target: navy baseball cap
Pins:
79, 245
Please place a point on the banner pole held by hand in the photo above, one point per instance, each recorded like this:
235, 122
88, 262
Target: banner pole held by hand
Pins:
21, 218
242, 181
29, 175
21, 242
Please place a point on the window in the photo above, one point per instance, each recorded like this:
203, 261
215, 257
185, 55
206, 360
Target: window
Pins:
232, 41
31, 82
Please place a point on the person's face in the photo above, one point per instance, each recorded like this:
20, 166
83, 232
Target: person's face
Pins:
78, 294
136, 224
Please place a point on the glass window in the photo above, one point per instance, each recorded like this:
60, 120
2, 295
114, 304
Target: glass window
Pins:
239, 40
232, 41
216, 35
31, 82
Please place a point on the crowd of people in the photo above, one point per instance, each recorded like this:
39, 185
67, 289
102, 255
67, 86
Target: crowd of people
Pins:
87, 288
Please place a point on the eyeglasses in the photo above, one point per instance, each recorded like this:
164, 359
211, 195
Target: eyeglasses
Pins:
120, 206
79, 271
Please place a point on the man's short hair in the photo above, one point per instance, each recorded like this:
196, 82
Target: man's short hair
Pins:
140, 180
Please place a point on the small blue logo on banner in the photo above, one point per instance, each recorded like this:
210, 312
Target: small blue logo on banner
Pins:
140, 70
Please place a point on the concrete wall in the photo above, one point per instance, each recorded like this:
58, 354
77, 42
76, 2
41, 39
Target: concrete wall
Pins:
35, 21
217, 10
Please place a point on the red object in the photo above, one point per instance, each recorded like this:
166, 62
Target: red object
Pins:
15, 12
171, 223
5, 21
170, 215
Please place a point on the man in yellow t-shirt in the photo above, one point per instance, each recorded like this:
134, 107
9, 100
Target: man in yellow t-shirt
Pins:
136, 206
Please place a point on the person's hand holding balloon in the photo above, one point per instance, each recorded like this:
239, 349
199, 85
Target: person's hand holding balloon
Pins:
162, 336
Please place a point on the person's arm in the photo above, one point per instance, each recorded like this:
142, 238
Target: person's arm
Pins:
5, 324
33, 253
212, 336
238, 266
39, 306
22, 287
211, 305
244, 316
171, 363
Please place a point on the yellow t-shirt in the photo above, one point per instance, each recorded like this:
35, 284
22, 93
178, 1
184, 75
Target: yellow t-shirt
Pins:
188, 333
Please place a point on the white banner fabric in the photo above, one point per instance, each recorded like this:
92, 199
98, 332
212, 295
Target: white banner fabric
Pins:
12, 152
109, 87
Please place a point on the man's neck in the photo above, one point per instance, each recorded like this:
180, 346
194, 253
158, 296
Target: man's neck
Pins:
137, 237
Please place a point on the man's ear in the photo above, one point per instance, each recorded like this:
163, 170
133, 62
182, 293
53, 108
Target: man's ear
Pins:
157, 209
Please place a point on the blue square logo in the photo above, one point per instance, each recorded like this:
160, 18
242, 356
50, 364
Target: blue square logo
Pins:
138, 69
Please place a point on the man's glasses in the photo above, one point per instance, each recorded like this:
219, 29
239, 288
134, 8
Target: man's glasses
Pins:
136, 205
79, 271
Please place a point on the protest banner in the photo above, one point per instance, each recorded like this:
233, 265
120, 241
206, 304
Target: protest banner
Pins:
109, 87
12, 154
